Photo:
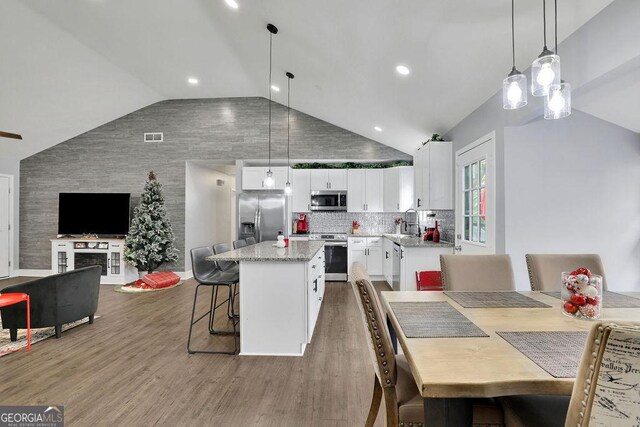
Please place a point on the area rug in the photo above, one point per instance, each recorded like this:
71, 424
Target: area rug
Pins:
6, 345
138, 288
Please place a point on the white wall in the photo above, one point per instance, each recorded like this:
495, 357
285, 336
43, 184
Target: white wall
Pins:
12, 167
208, 208
573, 186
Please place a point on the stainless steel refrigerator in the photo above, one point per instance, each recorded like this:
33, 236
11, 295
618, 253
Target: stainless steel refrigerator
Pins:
262, 215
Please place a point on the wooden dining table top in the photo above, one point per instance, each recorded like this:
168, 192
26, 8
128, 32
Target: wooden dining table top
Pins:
489, 366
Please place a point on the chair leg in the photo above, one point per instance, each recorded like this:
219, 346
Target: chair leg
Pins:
91, 318
233, 293
375, 403
58, 331
211, 314
13, 334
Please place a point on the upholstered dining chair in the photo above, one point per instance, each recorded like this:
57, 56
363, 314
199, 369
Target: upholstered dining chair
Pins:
605, 392
477, 273
250, 241
545, 269
393, 380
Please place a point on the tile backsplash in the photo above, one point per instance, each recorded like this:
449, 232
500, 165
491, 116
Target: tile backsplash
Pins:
330, 222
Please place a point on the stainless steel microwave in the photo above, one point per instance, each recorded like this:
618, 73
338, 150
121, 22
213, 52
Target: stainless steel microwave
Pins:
328, 200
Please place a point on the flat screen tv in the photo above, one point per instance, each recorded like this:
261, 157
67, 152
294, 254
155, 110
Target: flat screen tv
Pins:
105, 214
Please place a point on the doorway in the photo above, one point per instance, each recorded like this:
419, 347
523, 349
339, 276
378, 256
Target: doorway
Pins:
5, 225
476, 197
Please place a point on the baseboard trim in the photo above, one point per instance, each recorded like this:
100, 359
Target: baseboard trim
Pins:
25, 272
184, 275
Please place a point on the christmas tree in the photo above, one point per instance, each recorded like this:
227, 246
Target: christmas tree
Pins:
150, 239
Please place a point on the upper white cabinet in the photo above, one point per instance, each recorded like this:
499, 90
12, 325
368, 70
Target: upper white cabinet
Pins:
398, 189
328, 179
300, 190
433, 176
365, 190
253, 178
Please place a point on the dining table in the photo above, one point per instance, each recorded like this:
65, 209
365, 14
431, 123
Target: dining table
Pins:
451, 371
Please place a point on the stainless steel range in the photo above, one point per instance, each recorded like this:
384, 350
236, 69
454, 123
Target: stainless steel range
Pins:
335, 254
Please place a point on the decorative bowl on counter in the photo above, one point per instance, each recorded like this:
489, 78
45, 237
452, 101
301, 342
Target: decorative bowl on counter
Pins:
581, 294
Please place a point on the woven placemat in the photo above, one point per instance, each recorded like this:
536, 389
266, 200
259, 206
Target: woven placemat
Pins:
557, 352
433, 320
507, 299
610, 300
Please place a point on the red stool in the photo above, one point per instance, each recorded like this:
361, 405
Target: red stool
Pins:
429, 280
11, 299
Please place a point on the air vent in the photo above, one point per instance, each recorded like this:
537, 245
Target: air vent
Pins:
153, 137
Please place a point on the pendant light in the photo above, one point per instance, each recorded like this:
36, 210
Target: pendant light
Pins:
514, 86
557, 103
287, 186
545, 70
268, 182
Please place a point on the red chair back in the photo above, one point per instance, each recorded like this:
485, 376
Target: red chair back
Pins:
429, 281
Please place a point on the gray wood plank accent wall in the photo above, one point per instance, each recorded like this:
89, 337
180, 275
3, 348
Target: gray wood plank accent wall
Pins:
114, 158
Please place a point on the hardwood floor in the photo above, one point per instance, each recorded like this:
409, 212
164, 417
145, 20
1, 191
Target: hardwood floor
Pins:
131, 368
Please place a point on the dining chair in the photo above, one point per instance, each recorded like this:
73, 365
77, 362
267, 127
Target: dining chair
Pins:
208, 274
545, 269
605, 392
251, 241
477, 273
241, 243
393, 380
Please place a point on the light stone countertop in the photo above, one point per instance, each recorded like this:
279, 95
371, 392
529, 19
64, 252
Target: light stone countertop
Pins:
406, 240
298, 251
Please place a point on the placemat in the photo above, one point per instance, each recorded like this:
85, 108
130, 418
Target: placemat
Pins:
429, 319
506, 299
610, 300
557, 352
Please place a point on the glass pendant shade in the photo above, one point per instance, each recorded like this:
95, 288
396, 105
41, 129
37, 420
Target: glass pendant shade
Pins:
514, 90
268, 182
545, 72
557, 103
287, 188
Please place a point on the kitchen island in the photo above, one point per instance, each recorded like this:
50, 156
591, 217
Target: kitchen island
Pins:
281, 291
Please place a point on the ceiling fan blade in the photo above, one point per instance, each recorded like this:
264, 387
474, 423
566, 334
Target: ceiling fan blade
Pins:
10, 135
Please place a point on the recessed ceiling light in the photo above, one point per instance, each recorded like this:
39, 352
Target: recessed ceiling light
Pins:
378, 128
192, 81
232, 3
403, 69
275, 88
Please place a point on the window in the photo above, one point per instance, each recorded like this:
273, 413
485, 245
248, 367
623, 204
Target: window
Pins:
475, 201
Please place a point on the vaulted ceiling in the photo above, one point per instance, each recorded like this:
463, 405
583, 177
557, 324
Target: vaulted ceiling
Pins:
78, 64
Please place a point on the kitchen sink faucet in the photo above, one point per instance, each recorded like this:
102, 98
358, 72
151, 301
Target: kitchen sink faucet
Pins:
417, 223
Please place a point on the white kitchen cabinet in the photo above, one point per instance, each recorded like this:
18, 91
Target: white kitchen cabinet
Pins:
414, 259
328, 179
300, 190
365, 190
253, 177
398, 189
368, 252
387, 260
433, 176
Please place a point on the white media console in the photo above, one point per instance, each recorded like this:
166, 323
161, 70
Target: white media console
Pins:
69, 254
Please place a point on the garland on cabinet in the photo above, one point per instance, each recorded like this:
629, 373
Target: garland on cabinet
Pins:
352, 165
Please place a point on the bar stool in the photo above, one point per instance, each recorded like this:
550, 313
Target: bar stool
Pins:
229, 266
16, 298
250, 241
237, 244
208, 273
